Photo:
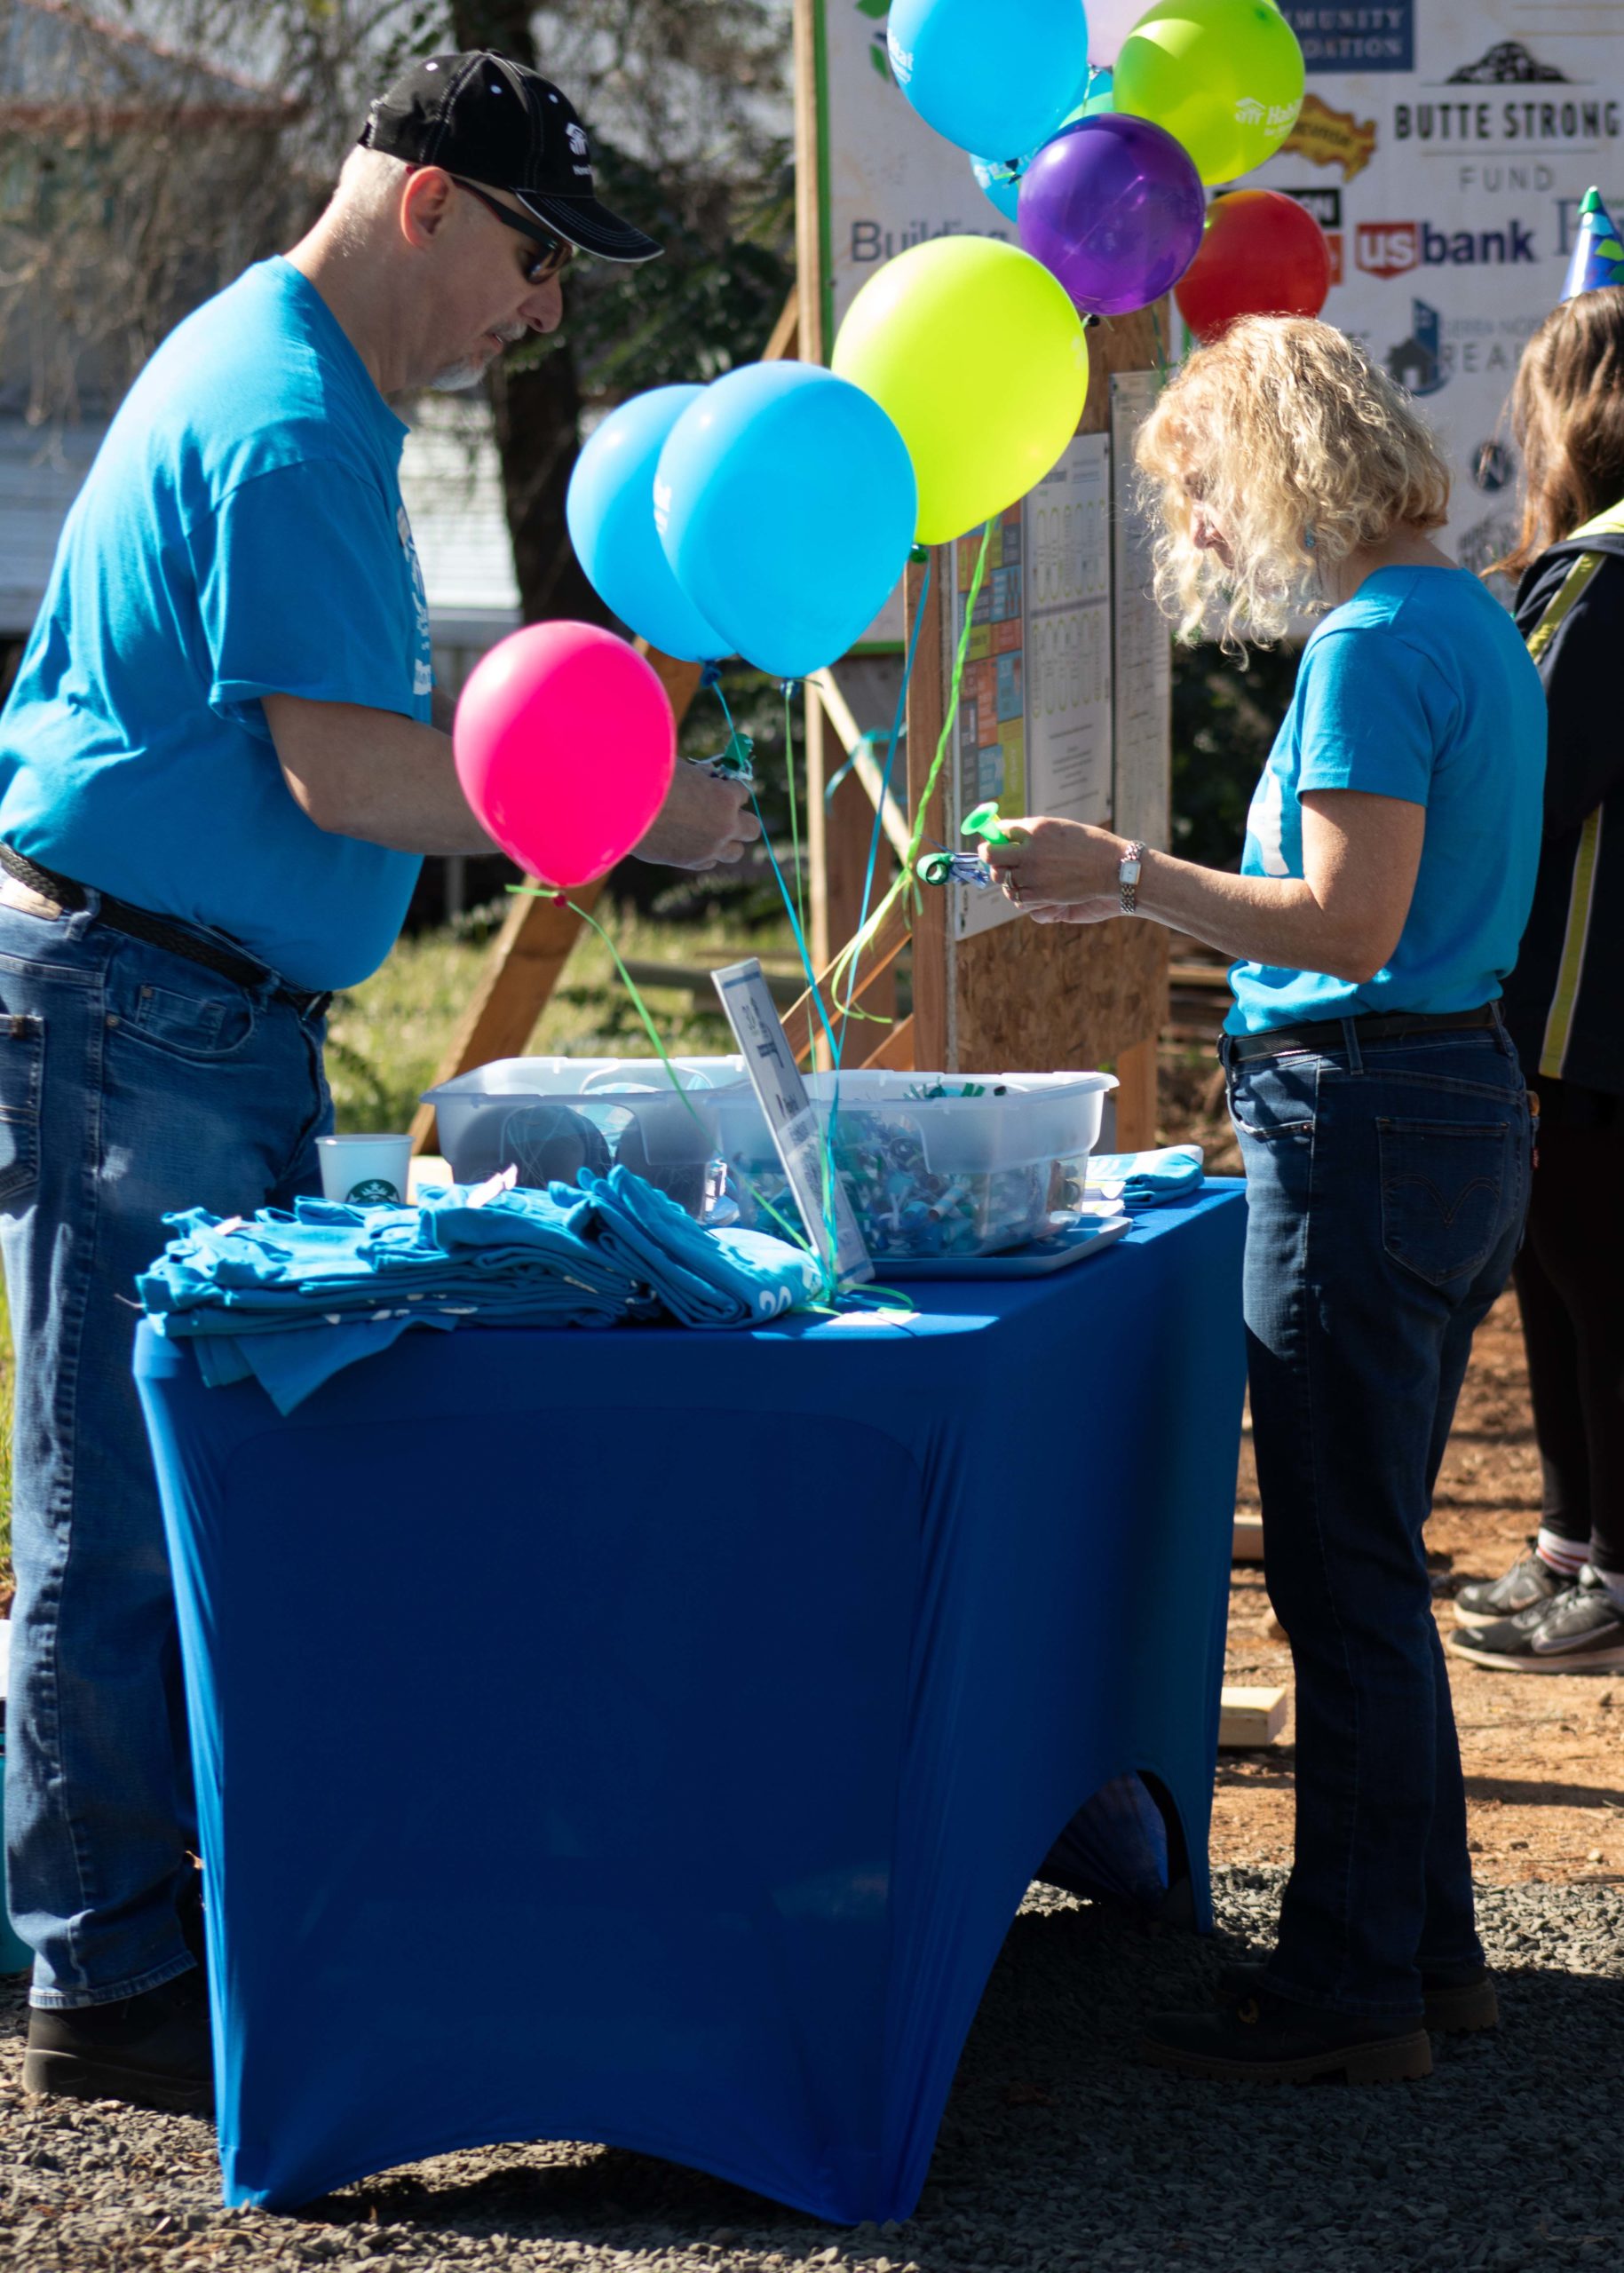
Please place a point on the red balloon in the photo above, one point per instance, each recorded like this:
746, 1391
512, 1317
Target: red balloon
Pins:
1262, 254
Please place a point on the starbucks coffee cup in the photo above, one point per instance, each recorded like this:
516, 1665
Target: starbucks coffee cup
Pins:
367, 1171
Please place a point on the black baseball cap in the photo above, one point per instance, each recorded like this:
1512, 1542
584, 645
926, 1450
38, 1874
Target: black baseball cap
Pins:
495, 122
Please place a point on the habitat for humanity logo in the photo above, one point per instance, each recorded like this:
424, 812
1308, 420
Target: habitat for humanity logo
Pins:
1393, 248
1342, 38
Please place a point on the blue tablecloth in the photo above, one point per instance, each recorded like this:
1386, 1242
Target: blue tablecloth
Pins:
649, 1737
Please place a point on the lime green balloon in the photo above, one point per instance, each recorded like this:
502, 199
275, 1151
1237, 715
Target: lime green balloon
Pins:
1225, 77
979, 357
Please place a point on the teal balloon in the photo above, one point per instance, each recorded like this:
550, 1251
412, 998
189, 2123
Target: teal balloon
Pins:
786, 502
998, 78
1000, 182
610, 510
1000, 179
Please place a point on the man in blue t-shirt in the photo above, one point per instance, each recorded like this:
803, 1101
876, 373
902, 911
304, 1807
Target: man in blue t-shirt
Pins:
219, 767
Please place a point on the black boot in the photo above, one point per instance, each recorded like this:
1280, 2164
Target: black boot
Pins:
151, 2050
1457, 2004
1269, 2040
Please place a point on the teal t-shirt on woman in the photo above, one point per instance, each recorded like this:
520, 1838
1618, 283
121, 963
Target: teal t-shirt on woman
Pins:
1419, 688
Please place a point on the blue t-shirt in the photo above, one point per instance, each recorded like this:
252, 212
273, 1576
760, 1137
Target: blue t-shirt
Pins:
1419, 688
241, 533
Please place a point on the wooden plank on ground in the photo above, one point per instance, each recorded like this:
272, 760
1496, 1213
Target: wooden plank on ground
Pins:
1247, 1546
1248, 1717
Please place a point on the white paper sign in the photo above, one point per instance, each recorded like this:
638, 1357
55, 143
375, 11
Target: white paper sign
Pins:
1069, 636
1142, 636
796, 1130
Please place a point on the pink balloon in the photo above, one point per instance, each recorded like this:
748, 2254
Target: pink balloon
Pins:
564, 746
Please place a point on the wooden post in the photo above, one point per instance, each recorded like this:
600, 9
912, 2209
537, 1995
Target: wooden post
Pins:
1136, 1096
925, 702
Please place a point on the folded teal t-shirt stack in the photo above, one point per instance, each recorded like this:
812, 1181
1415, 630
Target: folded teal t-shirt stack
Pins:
289, 1298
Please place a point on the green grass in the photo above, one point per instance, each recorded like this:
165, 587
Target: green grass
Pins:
386, 1039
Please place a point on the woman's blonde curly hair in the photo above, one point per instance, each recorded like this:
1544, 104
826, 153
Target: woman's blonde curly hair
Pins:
1298, 450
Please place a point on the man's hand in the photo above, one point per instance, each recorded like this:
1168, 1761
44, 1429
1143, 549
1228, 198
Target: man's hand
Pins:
705, 822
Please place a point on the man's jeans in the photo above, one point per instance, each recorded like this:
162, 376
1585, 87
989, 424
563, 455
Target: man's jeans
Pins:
133, 1081
1386, 1188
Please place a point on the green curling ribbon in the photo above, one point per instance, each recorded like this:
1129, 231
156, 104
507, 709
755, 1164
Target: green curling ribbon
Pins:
906, 880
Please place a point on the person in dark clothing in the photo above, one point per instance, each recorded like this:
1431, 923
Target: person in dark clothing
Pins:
1560, 1609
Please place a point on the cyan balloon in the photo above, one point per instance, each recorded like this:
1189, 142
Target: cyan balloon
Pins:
998, 79
998, 181
610, 509
786, 503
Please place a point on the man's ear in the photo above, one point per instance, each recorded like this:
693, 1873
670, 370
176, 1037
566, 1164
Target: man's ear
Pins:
426, 202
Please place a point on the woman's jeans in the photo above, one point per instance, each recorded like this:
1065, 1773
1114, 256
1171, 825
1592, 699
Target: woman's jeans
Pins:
133, 1081
1386, 1187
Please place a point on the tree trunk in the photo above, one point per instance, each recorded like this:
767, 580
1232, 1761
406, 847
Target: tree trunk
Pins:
535, 410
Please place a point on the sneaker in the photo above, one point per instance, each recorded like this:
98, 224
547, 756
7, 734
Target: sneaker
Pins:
151, 2050
1530, 1583
1268, 2040
1581, 1631
1456, 2004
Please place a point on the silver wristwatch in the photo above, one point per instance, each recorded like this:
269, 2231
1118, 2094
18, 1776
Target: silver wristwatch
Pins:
1128, 877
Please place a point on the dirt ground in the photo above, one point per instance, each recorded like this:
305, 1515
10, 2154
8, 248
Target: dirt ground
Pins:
1544, 1780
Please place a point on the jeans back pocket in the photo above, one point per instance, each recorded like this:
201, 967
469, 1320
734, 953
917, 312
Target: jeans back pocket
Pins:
22, 1067
1444, 1190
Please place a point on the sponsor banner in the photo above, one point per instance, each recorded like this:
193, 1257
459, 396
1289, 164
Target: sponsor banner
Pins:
1444, 147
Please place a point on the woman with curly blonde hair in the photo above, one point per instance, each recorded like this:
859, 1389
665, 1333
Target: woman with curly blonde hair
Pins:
1387, 874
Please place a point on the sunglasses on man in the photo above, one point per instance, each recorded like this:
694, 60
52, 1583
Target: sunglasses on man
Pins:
550, 255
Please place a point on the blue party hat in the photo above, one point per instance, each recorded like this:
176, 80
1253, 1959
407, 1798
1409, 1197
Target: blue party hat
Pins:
1598, 252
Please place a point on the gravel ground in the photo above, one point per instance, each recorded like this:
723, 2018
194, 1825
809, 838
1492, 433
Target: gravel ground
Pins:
1057, 2150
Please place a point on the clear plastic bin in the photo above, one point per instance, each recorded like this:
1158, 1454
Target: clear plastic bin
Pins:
934, 1164
548, 1116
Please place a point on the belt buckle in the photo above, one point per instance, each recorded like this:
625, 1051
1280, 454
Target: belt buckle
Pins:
15, 893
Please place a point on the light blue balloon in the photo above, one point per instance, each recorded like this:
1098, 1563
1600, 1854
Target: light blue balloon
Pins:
786, 501
1000, 178
610, 509
994, 181
998, 79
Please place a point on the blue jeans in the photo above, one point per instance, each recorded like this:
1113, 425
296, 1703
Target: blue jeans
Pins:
1386, 1188
133, 1081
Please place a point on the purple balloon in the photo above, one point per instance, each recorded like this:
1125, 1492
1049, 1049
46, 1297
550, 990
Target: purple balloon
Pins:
1115, 207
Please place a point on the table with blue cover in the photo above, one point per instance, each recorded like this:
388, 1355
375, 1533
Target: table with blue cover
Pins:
648, 1736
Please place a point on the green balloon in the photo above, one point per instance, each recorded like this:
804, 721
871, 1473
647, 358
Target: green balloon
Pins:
976, 352
1225, 77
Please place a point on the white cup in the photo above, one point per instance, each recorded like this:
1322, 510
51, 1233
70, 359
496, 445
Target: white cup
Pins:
370, 1171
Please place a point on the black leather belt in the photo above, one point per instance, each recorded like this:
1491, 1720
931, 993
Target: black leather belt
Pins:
137, 924
1326, 1033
